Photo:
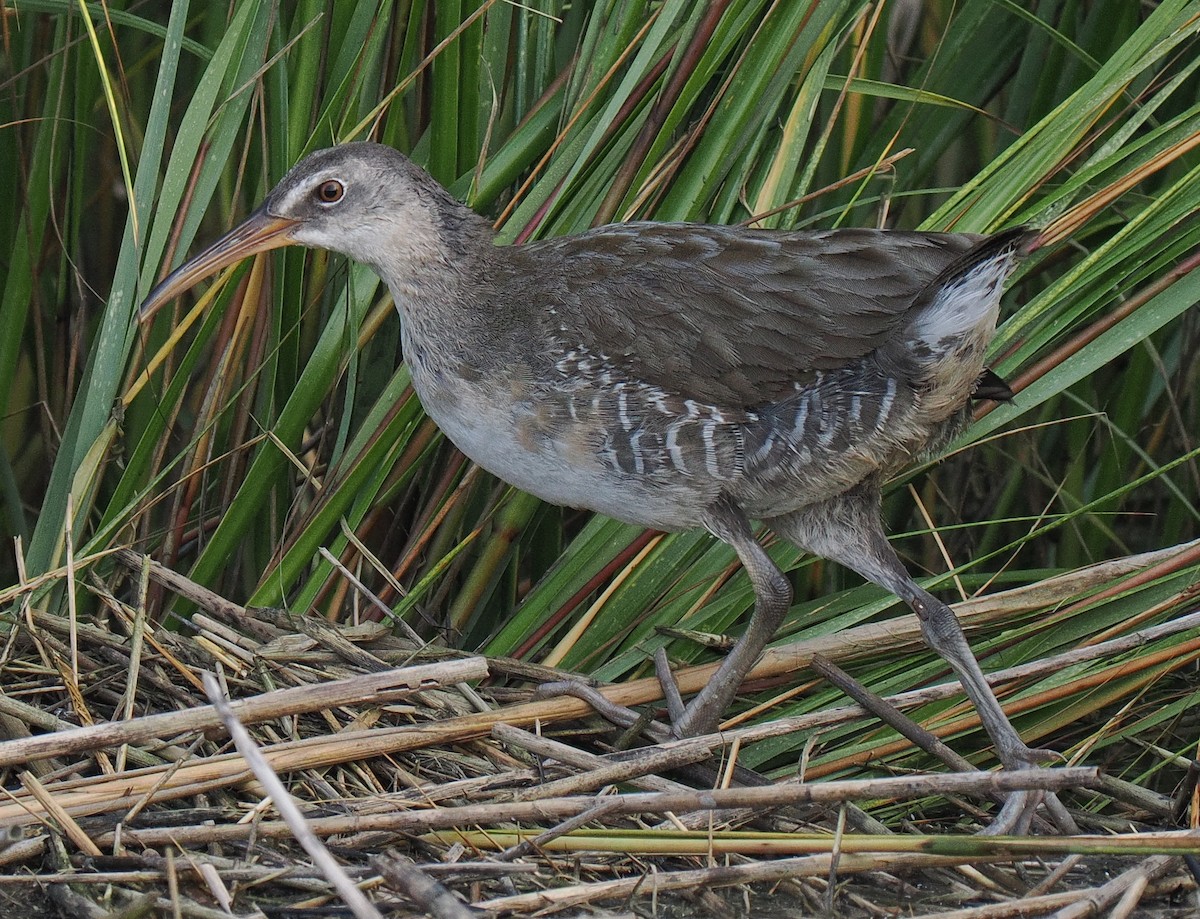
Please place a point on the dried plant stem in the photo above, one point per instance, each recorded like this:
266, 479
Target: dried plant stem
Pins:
433, 898
371, 688
807, 866
638, 767
287, 807
1091, 902
414, 821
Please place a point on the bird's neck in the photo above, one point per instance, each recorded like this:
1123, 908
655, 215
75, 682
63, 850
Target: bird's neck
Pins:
448, 292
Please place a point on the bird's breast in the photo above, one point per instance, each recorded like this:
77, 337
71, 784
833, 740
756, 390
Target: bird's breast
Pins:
526, 436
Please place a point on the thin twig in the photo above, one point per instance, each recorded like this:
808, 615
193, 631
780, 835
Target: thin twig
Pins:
286, 805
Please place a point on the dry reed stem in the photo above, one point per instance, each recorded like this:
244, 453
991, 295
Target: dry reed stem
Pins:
555, 809
367, 689
109, 793
287, 807
325, 723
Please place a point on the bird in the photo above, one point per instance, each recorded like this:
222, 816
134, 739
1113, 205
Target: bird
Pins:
678, 375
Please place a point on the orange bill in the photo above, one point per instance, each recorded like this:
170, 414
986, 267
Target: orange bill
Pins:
260, 232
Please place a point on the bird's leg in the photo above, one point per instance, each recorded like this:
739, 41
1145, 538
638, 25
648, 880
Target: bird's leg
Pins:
849, 531
772, 598
944, 634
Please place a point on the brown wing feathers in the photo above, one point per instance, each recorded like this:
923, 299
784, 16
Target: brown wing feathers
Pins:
764, 311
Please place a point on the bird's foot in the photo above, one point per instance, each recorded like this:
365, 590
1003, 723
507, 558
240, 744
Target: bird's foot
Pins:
671, 695
1016, 754
619, 715
1015, 817
700, 716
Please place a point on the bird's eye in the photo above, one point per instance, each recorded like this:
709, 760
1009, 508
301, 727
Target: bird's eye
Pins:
330, 192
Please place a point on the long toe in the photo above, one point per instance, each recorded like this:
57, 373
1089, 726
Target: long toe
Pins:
618, 715
1016, 816
1020, 756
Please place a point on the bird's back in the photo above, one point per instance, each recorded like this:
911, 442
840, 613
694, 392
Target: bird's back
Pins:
733, 317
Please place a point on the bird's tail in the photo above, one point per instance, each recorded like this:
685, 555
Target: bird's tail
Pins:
953, 321
960, 305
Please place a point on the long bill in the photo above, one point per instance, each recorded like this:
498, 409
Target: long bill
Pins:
260, 232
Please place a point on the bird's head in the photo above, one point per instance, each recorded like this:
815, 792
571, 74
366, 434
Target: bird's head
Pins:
363, 200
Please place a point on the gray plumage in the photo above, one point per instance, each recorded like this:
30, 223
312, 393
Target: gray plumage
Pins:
677, 375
